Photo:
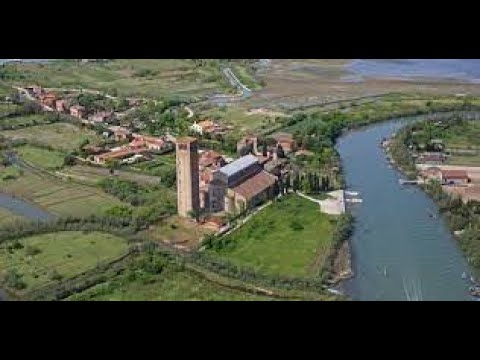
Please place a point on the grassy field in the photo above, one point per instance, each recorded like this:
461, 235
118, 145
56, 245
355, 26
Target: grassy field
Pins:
464, 136
168, 286
156, 167
65, 253
60, 197
473, 160
93, 175
9, 173
140, 77
289, 238
43, 158
6, 108
238, 117
7, 217
23, 121
60, 136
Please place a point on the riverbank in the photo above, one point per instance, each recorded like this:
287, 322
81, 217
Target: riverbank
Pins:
396, 245
461, 217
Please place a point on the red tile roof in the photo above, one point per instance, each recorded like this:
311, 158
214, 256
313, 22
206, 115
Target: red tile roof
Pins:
455, 174
255, 185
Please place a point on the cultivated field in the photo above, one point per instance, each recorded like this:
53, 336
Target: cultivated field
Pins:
128, 77
42, 158
23, 121
66, 254
290, 238
167, 286
62, 198
93, 175
60, 136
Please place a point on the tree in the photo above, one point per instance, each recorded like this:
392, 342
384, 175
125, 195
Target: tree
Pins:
69, 160
112, 164
280, 152
194, 214
264, 149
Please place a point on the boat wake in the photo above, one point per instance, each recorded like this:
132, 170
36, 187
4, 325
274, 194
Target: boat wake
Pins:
413, 290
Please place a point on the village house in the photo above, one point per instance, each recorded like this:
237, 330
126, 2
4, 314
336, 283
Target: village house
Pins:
35, 90
77, 111
120, 133
93, 150
455, 177
207, 127
431, 158
246, 142
209, 161
48, 99
101, 116
61, 105
151, 143
286, 141
118, 154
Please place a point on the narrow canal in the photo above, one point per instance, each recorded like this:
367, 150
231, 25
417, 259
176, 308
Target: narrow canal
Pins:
400, 251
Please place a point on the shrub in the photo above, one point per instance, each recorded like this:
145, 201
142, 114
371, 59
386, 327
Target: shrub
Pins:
296, 226
14, 280
31, 250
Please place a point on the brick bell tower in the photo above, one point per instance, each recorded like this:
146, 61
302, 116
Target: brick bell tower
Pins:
188, 197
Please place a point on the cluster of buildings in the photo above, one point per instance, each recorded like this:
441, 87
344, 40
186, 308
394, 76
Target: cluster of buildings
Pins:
446, 177
208, 127
53, 102
210, 183
136, 149
206, 183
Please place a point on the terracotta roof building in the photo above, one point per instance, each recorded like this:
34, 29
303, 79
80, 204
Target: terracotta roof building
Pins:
455, 177
116, 155
251, 192
286, 141
77, 111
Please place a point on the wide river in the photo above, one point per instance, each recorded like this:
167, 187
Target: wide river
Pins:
401, 247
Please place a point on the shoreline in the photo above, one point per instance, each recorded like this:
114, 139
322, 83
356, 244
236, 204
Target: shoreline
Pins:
422, 186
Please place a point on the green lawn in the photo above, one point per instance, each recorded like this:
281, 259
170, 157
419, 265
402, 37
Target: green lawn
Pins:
290, 238
67, 253
60, 197
170, 285
23, 121
60, 136
43, 158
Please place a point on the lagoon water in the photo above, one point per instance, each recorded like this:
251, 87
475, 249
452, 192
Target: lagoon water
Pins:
399, 251
467, 70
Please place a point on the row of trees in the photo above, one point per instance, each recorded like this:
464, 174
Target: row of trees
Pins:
308, 183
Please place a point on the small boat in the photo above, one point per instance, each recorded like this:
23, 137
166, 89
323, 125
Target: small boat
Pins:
385, 272
464, 275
